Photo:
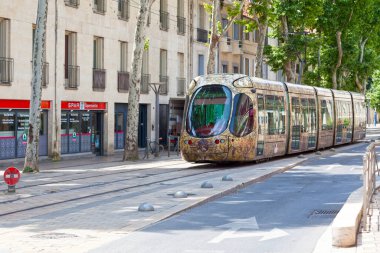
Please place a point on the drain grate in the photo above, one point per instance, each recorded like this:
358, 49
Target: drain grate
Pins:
323, 213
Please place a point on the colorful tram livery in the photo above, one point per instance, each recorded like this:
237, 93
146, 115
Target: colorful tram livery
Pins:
242, 118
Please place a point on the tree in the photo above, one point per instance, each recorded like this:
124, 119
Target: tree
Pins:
217, 30
31, 157
131, 136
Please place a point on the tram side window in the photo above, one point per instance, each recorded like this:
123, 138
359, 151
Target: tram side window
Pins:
305, 115
274, 106
326, 111
242, 116
261, 115
313, 115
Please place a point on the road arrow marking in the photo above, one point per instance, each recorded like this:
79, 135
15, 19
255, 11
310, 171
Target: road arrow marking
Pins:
249, 223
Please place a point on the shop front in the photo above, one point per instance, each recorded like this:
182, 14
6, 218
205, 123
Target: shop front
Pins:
14, 126
82, 127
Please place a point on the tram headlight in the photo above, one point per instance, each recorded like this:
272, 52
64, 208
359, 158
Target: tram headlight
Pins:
217, 141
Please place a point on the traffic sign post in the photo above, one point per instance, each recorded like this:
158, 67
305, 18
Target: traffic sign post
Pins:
11, 178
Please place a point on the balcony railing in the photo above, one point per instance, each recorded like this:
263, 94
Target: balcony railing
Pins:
181, 25
99, 79
164, 20
202, 35
99, 6
145, 80
237, 47
72, 3
123, 9
181, 82
165, 86
122, 81
6, 70
72, 76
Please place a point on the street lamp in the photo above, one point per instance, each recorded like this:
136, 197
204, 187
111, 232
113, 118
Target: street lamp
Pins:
156, 89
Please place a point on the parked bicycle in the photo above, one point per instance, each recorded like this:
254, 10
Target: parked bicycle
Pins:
150, 148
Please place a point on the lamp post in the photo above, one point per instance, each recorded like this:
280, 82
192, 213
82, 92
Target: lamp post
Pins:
156, 89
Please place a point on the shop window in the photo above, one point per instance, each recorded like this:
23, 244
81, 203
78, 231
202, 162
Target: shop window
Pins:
242, 120
7, 124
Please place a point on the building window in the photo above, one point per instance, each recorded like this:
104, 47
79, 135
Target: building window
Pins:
181, 80
100, 6
202, 33
123, 75
224, 68
6, 63
164, 72
236, 69
236, 30
164, 15
123, 9
145, 76
99, 73
71, 69
181, 20
201, 64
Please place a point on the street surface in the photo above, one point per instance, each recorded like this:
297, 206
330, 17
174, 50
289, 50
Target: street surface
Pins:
286, 213
90, 205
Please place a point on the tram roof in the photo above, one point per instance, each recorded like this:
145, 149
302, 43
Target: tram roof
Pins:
357, 96
300, 89
341, 94
264, 84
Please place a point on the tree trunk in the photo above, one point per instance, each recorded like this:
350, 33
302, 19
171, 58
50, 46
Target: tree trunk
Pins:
339, 61
290, 76
214, 37
131, 131
56, 154
361, 85
260, 49
31, 157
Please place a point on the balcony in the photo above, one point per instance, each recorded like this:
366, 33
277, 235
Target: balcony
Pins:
99, 79
123, 81
72, 76
6, 70
237, 47
249, 47
225, 45
202, 35
181, 25
72, 3
145, 80
165, 86
123, 8
181, 82
99, 6
164, 20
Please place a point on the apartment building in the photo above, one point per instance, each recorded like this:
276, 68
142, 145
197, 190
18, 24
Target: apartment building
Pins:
86, 73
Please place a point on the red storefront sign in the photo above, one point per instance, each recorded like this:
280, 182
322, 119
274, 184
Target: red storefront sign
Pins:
76, 105
21, 104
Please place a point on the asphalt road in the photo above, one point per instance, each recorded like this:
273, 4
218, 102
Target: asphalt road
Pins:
286, 213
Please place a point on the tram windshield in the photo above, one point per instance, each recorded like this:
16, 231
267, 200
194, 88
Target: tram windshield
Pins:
209, 111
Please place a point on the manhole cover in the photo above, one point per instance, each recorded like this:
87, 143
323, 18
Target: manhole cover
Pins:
323, 213
54, 236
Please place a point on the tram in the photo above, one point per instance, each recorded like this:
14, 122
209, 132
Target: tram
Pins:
234, 117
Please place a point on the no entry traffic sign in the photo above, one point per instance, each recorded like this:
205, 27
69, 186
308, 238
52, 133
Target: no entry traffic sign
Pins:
11, 178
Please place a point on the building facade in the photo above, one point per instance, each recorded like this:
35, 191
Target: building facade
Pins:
89, 48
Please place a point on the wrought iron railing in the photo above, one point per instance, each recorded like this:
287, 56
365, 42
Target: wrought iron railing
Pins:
145, 80
99, 6
202, 35
181, 82
72, 3
181, 25
123, 7
122, 81
72, 76
6, 70
164, 20
165, 86
99, 79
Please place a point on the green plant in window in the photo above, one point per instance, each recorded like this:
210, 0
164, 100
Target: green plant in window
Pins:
346, 122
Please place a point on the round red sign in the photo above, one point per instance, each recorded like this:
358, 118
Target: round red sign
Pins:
11, 176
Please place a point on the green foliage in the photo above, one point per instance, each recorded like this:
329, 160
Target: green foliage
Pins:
146, 44
373, 95
28, 169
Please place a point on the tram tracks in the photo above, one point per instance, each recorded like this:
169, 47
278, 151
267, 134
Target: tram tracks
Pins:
128, 185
